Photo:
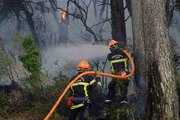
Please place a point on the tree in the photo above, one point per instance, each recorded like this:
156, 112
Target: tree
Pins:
178, 4
151, 31
118, 21
23, 10
81, 13
55, 13
139, 53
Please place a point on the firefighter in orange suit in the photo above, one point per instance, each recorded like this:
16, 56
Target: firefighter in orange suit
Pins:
79, 99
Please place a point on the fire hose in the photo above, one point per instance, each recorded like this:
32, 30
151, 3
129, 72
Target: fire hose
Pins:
92, 72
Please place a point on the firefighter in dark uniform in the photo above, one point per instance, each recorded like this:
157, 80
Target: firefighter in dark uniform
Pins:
81, 90
119, 66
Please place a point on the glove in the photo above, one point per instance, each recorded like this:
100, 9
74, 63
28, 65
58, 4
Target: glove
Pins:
69, 102
97, 74
121, 49
121, 73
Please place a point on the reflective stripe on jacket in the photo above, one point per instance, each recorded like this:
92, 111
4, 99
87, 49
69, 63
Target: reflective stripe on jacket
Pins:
118, 61
82, 88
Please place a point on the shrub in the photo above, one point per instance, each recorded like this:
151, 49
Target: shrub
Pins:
31, 61
4, 102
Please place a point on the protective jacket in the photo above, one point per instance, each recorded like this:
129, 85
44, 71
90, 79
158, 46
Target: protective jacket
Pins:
118, 61
83, 88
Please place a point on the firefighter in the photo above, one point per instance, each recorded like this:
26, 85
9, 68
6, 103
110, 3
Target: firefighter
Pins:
81, 90
119, 66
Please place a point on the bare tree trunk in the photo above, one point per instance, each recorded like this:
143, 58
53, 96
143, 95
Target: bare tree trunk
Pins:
178, 4
104, 3
55, 14
18, 26
56, 17
162, 102
118, 21
128, 4
32, 28
30, 22
95, 7
139, 50
139, 54
99, 17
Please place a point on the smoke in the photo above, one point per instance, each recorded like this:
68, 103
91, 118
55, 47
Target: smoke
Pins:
66, 58
174, 28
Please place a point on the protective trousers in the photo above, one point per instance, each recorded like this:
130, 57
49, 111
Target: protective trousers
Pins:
117, 88
77, 112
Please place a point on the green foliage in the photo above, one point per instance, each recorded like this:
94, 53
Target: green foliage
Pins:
29, 107
5, 60
4, 104
31, 60
118, 111
53, 92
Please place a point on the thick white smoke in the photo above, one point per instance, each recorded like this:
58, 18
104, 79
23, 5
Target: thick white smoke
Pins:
65, 59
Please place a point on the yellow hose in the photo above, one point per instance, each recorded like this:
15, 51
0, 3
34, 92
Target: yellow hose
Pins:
92, 72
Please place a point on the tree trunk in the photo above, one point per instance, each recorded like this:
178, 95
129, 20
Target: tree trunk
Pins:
30, 22
139, 53
162, 102
56, 17
18, 26
118, 21
98, 29
138, 38
178, 4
